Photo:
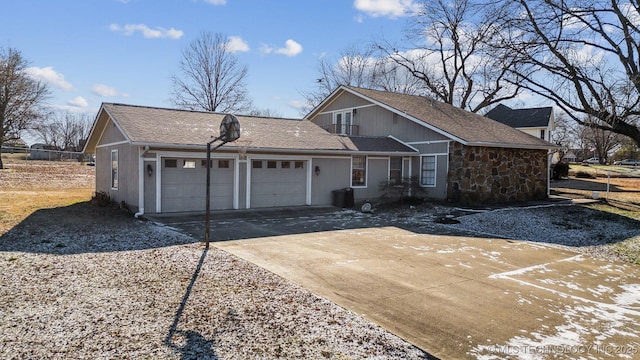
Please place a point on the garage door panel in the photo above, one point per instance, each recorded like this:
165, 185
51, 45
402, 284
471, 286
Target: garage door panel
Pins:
184, 189
279, 186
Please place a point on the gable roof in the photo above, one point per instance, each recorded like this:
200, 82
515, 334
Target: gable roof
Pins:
457, 124
521, 118
142, 125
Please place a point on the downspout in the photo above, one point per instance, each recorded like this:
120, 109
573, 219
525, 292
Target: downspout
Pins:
141, 182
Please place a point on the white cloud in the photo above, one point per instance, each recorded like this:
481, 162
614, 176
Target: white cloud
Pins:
50, 76
216, 2
236, 44
78, 102
105, 91
291, 48
388, 8
297, 104
147, 32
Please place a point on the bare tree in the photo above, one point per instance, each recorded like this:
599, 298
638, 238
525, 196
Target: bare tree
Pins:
210, 77
586, 53
600, 140
64, 130
359, 66
21, 97
455, 54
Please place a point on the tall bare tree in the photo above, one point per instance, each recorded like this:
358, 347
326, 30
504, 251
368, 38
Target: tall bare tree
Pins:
601, 141
21, 97
587, 56
453, 52
210, 77
64, 130
361, 66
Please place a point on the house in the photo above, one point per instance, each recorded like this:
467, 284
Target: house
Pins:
43, 152
154, 159
538, 122
462, 157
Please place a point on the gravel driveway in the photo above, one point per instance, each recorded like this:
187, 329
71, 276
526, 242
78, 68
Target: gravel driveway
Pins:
123, 288
88, 282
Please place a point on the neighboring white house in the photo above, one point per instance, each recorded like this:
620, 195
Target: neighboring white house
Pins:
538, 122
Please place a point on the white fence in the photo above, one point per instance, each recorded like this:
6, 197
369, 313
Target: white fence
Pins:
45, 154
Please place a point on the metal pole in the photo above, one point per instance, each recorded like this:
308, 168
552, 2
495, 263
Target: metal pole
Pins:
206, 219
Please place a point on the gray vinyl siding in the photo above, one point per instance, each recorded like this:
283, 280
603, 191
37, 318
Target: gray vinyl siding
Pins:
377, 121
111, 134
347, 101
335, 174
127, 191
437, 148
442, 167
377, 172
150, 186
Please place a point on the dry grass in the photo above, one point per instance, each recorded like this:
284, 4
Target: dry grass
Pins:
27, 186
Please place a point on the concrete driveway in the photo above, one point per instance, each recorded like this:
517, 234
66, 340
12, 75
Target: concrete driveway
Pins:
462, 297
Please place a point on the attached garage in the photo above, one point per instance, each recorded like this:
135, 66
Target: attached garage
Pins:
278, 183
184, 184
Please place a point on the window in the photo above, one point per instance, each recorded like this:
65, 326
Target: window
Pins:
170, 163
359, 171
223, 164
542, 134
257, 164
272, 164
299, 164
428, 171
395, 170
285, 165
342, 122
189, 164
203, 163
114, 169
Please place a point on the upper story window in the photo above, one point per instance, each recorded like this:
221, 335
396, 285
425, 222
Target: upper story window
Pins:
542, 134
343, 122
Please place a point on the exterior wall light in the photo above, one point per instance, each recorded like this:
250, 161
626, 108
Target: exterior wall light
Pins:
149, 169
317, 170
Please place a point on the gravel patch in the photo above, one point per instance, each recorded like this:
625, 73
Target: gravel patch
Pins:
573, 227
122, 288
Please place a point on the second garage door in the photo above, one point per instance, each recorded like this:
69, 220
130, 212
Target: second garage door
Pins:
278, 183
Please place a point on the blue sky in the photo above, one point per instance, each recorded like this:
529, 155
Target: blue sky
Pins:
94, 51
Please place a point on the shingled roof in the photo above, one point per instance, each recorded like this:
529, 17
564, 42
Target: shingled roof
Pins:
142, 125
457, 124
521, 118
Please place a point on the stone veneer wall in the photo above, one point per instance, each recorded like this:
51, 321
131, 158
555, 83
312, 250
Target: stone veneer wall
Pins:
486, 175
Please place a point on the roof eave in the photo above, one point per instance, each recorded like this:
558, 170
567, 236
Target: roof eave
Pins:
513, 146
232, 148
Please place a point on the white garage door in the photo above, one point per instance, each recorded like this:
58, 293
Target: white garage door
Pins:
184, 184
278, 183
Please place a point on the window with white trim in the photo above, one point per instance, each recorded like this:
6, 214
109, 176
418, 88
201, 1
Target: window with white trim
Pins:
395, 170
114, 169
342, 122
359, 171
428, 171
